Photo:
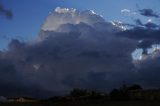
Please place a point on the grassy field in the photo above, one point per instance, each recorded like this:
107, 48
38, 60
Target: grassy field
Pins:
109, 103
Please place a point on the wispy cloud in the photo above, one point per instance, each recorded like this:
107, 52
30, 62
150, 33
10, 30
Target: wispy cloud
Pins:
128, 12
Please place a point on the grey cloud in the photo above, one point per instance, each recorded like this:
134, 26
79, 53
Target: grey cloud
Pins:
148, 25
148, 69
147, 36
145, 43
140, 33
48, 63
138, 22
148, 13
151, 25
5, 12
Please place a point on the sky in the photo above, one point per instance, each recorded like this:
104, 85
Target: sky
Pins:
29, 15
49, 47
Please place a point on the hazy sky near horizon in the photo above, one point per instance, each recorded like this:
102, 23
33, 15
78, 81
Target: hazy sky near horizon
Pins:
29, 15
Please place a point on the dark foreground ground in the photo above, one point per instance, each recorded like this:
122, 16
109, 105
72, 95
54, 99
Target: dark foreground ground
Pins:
108, 103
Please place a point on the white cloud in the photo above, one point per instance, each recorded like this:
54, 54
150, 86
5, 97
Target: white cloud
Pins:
62, 16
125, 11
65, 10
128, 12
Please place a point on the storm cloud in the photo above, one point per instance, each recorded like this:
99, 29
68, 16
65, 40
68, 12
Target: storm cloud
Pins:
74, 49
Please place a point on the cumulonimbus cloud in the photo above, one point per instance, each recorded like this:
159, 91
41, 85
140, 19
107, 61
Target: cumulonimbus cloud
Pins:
73, 49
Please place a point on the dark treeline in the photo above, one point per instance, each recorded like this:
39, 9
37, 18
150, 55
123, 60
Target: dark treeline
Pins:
134, 92
77, 95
